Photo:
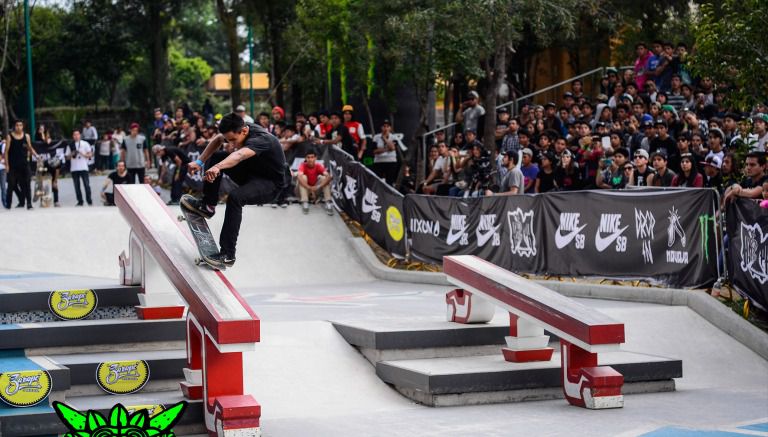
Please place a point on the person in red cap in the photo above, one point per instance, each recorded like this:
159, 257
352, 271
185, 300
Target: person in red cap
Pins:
278, 114
135, 152
355, 130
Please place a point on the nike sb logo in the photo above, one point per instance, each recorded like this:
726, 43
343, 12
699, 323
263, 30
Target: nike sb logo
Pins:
568, 230
610, 230
487, 229
458, 230
371, 205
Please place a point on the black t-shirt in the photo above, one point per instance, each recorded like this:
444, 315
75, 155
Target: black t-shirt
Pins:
269, 161
750, 183
117, 179
546, 181
668, 145
641, 179
17, 152
347, 142
172, 152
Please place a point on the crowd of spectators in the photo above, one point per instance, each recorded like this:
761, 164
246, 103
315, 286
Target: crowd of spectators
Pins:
652, 125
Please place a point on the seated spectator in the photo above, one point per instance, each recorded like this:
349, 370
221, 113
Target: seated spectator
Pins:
712, 176
663, 176
514, 181
751, 187
642, 170
385, 154
529, 170
407, 182
760, 130
716, 139
117, 177
458, 140
440, 170
730, 170
472, 141
613, 176
545, 179
689, 176
174, 162
568, 175
312, 178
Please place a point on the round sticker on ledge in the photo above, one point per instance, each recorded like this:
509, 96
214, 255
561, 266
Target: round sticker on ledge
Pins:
72, 304
395, 223
24, 388
122, 377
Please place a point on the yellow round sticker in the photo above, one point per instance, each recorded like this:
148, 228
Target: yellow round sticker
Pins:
72, 304
395, 223
24, 388
122, 377
152, 410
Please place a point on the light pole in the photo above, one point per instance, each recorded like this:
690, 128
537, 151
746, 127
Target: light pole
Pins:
27, 33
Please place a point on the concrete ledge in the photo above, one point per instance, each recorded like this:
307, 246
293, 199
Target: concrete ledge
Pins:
699, 301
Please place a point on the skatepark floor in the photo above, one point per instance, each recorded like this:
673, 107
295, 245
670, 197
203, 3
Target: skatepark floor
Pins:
298, 273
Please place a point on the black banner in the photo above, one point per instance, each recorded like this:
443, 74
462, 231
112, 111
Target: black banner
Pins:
368, 200
747, 230
667, 237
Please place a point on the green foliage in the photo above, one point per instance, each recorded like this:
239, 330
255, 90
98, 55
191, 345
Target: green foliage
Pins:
68, 119
731, 49
188, 75
120, 422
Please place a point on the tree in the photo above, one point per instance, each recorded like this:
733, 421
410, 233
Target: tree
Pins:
187, 76
229, 12
732, 50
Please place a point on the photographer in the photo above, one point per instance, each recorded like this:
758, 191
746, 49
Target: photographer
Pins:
80, 151
470, 113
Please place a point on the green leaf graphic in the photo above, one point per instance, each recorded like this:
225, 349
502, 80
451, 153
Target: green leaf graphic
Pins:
165, 420
72, 418
120, 423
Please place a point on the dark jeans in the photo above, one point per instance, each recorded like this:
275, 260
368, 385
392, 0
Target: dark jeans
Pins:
103, 162
177, 185
388, 171
76, 177
252, 190
133, 173
18, 182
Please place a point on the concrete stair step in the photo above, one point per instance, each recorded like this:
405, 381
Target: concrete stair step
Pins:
41, 420
90, 332
491, 379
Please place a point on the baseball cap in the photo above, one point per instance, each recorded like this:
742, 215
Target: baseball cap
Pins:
647, 123
387, 122
474, 131
602, 98
346, 108
660, 153
627, 97
660, 122
568, 94
717, 132
641, 152
135, 125
713, 161
528, 152
761, 117
280, 110
240, 108
474, 95
503, 110
550, 105
669, 108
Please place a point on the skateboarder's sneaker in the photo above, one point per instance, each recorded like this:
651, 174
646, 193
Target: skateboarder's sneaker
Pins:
329, 208
223, 259
196, 206
305, 207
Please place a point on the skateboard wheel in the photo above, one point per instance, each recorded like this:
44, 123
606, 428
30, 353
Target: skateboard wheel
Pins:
198, 261
180, 218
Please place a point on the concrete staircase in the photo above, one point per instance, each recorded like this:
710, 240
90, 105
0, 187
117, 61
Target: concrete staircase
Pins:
32, 337
438, 363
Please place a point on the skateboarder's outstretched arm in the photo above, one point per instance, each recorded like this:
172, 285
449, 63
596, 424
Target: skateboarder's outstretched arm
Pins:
210, 149
230, 161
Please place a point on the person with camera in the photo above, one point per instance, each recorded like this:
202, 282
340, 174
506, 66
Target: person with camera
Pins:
470, 113
79, 152
613, 176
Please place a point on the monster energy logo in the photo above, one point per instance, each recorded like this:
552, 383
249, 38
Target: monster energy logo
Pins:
704, 221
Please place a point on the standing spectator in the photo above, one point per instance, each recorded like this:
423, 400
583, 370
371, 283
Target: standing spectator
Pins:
2, 172
529, 170
104, 156
278, 115
663, 176
240, 110
716, 138
689, 176
42, 135
545, 179
568, 175
135, 152
175, 161
472, 140
761, 131
323, 126
712, 176
339, 135
577, 89
385, 154
675, 96
663, 141
514, 181
80, 151
187, 135
18, 144
470, 112
641, 171
89, 133
263, 120
355, 130
158, 119
641, 64
313, 178
117, 177
458, 141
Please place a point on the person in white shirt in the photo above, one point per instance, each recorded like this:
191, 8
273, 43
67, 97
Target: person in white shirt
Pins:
80, 151
240, 110
385, 154
89, 132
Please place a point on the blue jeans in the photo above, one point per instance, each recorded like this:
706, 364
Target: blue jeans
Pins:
76, 177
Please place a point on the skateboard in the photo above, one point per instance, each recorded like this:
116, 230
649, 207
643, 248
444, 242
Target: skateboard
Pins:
41, 188
206, 244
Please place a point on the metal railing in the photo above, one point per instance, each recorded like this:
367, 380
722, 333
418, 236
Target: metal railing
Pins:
420, 176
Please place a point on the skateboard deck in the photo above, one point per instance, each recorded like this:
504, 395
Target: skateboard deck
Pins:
206, 243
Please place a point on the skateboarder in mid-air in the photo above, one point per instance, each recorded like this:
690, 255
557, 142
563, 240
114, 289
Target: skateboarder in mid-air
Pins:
257, 166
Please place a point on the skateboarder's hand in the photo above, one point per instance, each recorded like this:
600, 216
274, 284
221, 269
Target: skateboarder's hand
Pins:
211, 174
193, 168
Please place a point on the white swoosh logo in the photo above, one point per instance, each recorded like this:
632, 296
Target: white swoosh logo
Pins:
563, 240
483, 237
601, 243
368, 207
453, 237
